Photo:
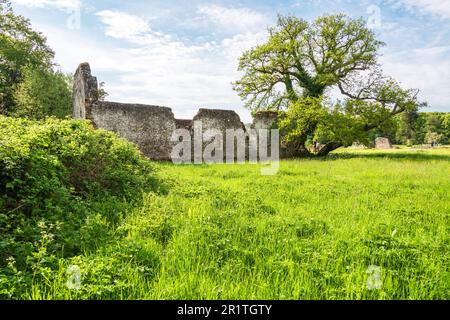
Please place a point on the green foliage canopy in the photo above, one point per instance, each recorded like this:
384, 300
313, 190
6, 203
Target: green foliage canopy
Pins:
41, 94
417, 128
305, 59
28, 84
302, 60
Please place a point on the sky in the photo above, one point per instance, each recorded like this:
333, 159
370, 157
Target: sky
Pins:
184, 53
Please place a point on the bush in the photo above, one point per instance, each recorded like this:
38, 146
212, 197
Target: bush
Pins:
61, 184
41, 94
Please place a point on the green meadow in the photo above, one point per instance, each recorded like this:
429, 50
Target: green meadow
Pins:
84, 215
359, 224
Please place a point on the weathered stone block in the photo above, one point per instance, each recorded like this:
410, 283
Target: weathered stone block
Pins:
149, 127
85, 92
219, 121
382, 143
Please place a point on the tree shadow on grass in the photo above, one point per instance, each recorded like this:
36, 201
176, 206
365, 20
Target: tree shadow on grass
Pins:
409, 156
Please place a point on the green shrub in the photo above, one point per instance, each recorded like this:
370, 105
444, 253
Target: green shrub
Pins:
42, 93
62, 184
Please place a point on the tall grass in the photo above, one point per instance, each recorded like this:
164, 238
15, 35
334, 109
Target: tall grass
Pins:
310, 232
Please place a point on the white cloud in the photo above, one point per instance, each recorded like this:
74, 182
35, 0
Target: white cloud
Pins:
59, 4
122, 25
160, 68
233, 19
437, 7
427, 69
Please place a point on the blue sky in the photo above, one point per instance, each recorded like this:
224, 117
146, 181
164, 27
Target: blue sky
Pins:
184, 54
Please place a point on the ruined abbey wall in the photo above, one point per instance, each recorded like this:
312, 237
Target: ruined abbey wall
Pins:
151, 127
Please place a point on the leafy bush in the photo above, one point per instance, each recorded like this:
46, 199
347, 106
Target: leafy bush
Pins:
20, 47
62, 184
42, 93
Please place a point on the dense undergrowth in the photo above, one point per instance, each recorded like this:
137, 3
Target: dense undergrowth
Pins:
63, 187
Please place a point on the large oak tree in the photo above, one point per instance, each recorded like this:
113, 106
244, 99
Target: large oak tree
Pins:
302, 62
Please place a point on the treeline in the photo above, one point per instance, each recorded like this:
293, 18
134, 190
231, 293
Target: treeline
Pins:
30, 83
416, 128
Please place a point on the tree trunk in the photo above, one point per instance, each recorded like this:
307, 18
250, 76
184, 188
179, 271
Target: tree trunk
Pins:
296, 150
324, 151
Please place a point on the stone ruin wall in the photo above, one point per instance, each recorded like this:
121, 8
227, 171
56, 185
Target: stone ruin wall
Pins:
151, 127
85, 92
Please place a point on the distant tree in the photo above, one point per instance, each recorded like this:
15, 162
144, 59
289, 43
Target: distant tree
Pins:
406, 132
420, 128
23, 51
446, 127
434, 122
302, 60
42, 93
102, 94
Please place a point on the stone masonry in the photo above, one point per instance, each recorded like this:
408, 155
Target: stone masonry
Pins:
150, 127
382, 143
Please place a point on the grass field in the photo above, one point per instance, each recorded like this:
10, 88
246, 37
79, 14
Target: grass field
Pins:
316, 230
